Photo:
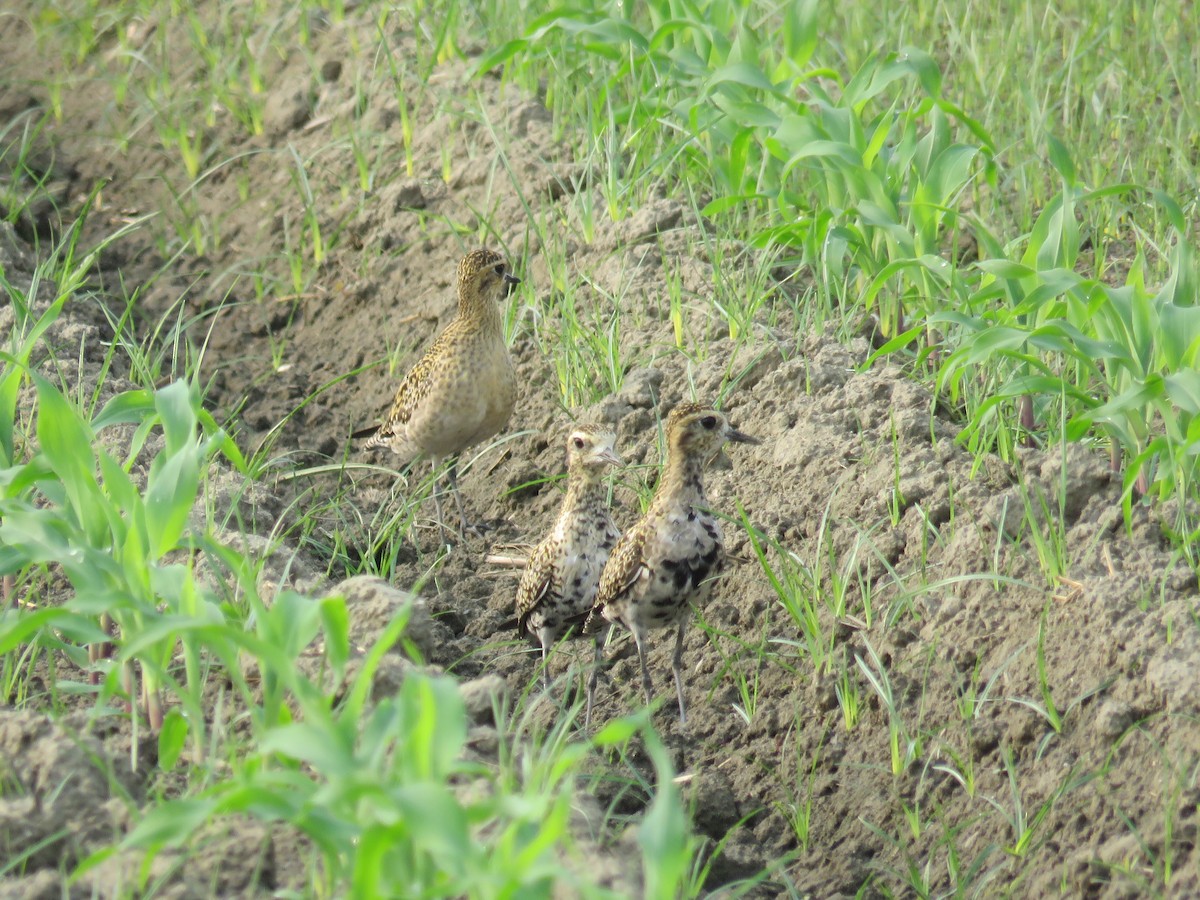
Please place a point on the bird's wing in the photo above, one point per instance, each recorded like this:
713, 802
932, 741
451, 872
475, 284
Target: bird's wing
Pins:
412, 390
622, 570
536, 583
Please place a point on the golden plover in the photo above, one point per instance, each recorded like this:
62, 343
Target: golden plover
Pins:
462, 390
666, 562
558, 586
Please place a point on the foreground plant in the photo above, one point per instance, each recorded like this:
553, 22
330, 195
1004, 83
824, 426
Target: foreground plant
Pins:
385, 790
76, 505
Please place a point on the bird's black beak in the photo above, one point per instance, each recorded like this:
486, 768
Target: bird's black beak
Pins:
510, 283
722, 460
741, 437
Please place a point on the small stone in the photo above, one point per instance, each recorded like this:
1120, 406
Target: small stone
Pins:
656, 216
331, 70
611, 410
1112, 719
716, 809
44, 884
372, 603
480, 695
526, 115
639, 421
408, 195
285, 112
484, 740
640, 388
14, 252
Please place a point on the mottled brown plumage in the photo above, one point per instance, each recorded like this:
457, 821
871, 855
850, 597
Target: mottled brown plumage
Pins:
559, 583
664, 564
463, 389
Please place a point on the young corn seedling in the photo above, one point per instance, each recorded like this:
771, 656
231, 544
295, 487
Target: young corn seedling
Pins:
797, 811
846, 689
744, 666
311, 222
794, 586
1046, 709
959, 766
667, 844
1023, 826
905, 748
1159, 852
1046, 530
76, 505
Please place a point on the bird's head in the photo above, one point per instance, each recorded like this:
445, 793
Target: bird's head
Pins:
484, 274
699, 431
591, 448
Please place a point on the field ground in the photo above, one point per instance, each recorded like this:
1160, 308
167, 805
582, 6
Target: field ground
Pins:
936, 664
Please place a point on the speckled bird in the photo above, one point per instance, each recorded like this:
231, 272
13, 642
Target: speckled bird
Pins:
666, 562
558, 587
462, 390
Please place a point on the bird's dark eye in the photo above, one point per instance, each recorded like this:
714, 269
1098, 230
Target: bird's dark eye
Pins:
709, 422
500, 269
578, 442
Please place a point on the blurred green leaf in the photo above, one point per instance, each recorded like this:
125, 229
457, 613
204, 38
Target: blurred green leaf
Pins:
167, 628
66, 441
1173, 210
1060, 158
171, 824
335, 621
360, 690
127, 407
319, 747
171, 738
1005, 268
617, 732
500, 56
171, 489
178, 415
1183, 390
663, 834
434, 722
291, 623
118, 486
742, 73
10, 385
950, 171
18, 627
275, 794
801, 32
439, 824
1180, 334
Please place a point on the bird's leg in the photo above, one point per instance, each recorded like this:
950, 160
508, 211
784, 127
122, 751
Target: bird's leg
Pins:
601, 640
437, 504
639, 638
545, 636
677, 668
478, 527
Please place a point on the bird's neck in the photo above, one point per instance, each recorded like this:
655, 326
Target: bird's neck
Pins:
482, 312
584, 488
682, 480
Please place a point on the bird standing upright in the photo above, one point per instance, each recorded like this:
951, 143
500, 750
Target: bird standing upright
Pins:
463, 389
665, 563
559, 583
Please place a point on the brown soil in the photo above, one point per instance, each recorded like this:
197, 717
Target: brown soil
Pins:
858, 479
